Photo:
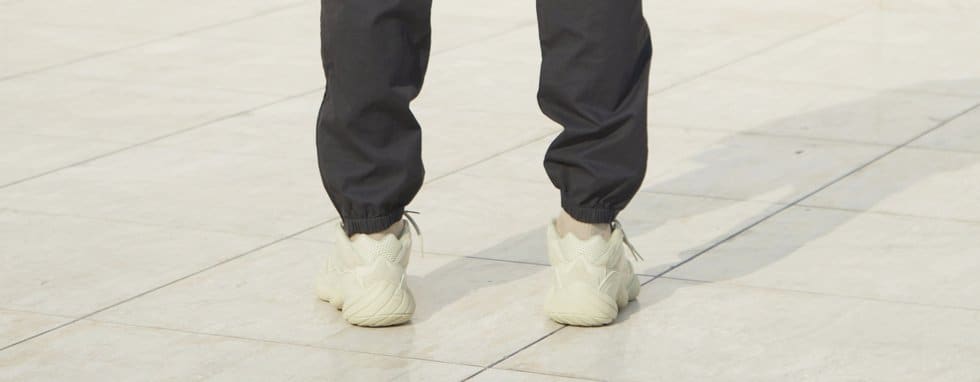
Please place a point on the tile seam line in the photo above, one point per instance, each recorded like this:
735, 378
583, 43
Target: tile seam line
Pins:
203, 28
232, 115
495, 363
222, 262
163, 136
817, 190
804, 204
569, 376
688, 80
164, 285
276, 342
762, 50
135, 222
727, 283
847, 87
154, 40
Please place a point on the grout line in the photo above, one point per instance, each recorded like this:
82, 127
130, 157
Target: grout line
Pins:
153, 40
759, 51
492, 156
814, 206
161, 137
515, 352
276, 342
137, 223
572, 377
253, 250
816, 293
53, 315
849, 87
781, 209
814, 192
158, 287
750, 133
249, 110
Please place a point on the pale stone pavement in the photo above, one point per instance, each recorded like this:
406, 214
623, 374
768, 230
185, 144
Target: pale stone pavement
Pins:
811, 212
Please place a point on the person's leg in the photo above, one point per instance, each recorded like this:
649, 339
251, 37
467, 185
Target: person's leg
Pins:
368, 142
369, 147
594, 79
594, 73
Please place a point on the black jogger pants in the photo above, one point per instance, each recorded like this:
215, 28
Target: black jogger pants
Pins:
594, 74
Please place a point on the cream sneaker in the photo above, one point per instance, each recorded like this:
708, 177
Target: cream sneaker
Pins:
365, 278
592, 278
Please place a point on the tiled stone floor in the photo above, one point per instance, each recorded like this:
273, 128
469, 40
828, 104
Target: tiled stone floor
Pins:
811, 212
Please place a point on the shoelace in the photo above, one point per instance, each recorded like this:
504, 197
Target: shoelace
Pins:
418, 232
636, 255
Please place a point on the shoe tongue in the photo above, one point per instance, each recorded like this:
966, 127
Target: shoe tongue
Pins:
388, 247
591, 248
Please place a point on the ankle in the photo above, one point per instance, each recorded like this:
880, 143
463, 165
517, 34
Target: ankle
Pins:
395, 229
566, 224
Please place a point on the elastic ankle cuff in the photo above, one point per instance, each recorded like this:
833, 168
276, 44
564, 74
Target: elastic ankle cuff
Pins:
591, 215
372, 224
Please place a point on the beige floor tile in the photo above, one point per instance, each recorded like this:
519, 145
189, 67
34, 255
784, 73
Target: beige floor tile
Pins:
959, 134
465, 307
73, 266
45, 153
793, 109
710, 163
92, 351
189, 62
879, 50
930, 6
684, 331
260, 195
498, 75
898, 258
44, 104
30, 46
748, 167
288, 129
161, 18
506, 219
502, 375
16, 326
918, 182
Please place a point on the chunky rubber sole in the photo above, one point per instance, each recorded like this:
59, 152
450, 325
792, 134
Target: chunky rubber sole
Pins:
583, 305
580, 305
381, 305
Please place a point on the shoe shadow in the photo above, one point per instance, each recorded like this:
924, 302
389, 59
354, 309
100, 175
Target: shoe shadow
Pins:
726, 164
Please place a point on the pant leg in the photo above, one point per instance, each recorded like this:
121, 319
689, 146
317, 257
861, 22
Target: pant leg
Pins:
594, 79
374, 54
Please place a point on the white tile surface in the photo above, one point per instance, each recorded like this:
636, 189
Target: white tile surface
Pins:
92, 351
880, 50
959, 134
896, 258
683, 331
74, 266
189, 62
502, 375
48, 153
461, 299
160, 18
16, 326
749, 167
754, 103
793, 109
257, 194
123, 112
29, 46
912, 181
